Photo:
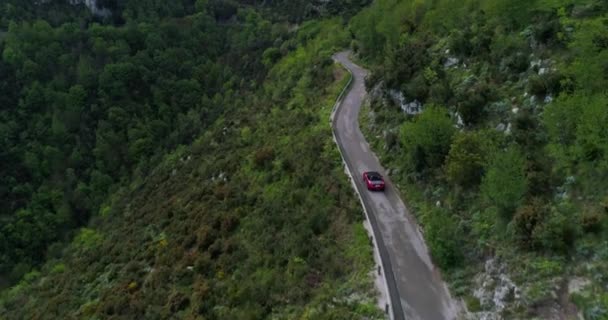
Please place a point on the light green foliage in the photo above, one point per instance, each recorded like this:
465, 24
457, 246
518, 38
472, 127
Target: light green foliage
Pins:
484, 226
576, 127
58, 268
427, 138
590, 50
504, 184
443, 238
87, 239
592, 133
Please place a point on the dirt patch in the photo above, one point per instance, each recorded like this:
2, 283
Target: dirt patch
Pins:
339, 73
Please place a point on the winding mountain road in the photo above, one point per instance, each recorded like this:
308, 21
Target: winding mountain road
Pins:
415, 288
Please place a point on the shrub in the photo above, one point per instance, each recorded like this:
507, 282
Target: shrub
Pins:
536, 86
559, 230
440, 92
527, 219
505, 183
270, 56
546, 31
541, 85
417, 88
263, 157
472, 102
87, 238
591, 221
483, 225
428, 137
467, 159
443, 238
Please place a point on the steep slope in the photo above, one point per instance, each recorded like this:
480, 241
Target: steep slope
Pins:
490, 115
254, 220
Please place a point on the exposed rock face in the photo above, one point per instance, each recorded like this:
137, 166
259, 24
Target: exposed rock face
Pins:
450, 62
494, 290
411, 107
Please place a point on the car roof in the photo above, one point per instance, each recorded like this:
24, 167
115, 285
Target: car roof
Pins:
373, 173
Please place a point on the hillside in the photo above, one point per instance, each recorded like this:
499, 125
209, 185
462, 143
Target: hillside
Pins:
176, 162
173, 159
491, 115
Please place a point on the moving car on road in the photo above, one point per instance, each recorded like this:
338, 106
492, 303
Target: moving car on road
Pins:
373, 180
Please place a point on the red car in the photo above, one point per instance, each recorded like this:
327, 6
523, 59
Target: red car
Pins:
373, 180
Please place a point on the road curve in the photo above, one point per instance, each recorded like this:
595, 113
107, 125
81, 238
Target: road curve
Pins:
415, 287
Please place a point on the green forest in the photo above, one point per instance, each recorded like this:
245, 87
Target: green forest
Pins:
173, 159
509, 158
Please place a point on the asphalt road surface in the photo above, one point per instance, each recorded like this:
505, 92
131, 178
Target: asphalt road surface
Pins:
413, 281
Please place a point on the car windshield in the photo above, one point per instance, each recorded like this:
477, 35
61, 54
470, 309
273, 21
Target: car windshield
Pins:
374, 177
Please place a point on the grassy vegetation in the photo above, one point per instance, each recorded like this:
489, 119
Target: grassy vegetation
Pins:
506, 161
253, 218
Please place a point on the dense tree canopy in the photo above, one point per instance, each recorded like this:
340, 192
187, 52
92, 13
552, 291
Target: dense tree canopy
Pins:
164, 161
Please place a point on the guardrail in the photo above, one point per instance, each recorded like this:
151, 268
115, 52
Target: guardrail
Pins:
393, 309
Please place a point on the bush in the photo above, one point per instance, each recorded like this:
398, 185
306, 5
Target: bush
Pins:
417, 88
427, 138
505, 183
443, 238
467, 159
263, 157
541, 85
270, 56
546, 31
527, 219
536, 86
439, 93
87, 238
483, 226
472, 102
559, 230
591, 221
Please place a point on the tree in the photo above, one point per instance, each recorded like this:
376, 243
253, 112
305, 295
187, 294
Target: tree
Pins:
427, 138
201, 5
468, 158
505, 184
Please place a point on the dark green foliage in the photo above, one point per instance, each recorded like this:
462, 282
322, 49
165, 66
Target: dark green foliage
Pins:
474, 100
591, 221
404, 63
86, 105
545, 84
528, 222
468, 158
559, 230
427, 138
127, 149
